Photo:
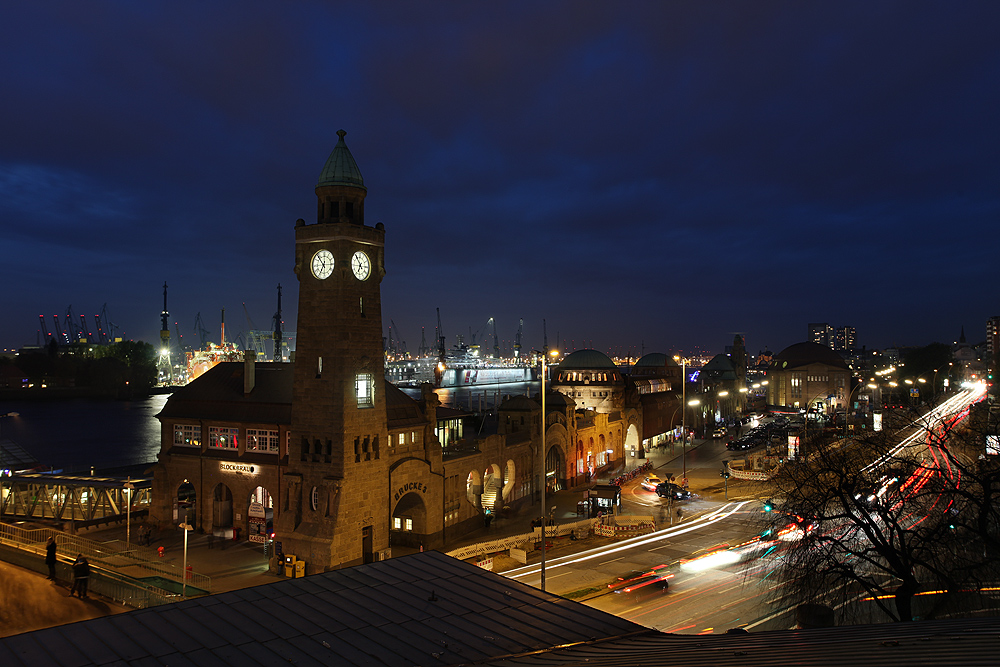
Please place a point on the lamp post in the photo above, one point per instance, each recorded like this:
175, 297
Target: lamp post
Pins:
185, 527
128, 509
554, 353
684, 434
2, 469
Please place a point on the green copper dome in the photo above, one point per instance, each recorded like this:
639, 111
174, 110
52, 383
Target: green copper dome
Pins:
340, 167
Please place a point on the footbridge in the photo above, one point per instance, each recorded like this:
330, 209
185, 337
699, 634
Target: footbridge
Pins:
85, 501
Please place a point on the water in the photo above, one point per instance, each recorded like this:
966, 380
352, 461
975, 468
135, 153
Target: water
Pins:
73, 435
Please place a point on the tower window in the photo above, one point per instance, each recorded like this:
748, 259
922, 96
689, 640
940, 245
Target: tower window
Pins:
363, 390
319, 366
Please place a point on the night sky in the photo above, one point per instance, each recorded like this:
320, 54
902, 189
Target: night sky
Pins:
645, 176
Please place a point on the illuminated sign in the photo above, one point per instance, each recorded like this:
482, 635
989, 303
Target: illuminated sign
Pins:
242, 468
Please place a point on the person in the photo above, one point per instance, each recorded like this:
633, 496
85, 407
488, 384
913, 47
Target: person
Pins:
50, 557
81, 573
684, 483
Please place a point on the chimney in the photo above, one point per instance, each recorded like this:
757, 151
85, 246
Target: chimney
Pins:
249, 366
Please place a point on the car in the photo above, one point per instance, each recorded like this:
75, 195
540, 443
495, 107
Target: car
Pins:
640, 583
719, 432
672, 490
650, 482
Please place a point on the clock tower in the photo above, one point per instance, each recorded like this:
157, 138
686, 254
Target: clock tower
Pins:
334, 509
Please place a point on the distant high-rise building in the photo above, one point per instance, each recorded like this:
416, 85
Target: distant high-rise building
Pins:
821, 333
993, 342
844, 339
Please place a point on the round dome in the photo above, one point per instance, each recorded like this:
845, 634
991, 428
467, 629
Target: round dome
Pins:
520, 403
802, 354
586, 360
655, 360
558, 399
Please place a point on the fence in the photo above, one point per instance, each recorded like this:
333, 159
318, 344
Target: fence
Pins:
119, 570
505, 543
624, 526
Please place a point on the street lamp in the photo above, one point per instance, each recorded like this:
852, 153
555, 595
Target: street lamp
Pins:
185, 527
128, 510
545, 472
693, 402
684, 434
2, 469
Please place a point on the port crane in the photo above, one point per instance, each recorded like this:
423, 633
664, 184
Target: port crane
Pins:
276, 325
439, 369
424, 350
203, 333
517, 339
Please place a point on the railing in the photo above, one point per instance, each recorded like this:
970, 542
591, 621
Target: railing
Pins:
505, 543
125, 564
624, 526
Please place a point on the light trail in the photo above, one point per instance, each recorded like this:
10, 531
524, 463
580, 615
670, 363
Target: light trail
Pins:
714, 516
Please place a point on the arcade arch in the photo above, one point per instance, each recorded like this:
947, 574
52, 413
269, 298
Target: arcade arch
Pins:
473, 487
508, 481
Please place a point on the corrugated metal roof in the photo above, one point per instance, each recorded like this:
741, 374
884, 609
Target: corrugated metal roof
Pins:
422, 609
430, 609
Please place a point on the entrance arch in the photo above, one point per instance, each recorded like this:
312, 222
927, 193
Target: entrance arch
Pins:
409, 521
222, 508
632, 444
555, 470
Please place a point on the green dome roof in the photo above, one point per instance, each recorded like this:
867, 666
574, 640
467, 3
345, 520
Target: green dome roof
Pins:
655, 360
340, 167
586, 360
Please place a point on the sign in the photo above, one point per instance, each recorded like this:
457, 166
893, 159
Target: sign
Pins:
256, 510
409, 486
241, 468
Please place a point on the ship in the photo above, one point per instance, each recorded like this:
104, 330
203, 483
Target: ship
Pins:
461, 367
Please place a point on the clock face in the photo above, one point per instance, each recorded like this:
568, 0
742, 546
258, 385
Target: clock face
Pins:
361, 266
322, 264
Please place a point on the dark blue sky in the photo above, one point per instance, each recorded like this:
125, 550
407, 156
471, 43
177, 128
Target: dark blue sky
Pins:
643, 173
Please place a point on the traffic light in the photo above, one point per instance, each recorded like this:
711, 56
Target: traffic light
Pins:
725, 474
768, 506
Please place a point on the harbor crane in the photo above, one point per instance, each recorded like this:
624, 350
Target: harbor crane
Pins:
203, 333
517, 339
439, 368
276, 325
424, 350
496, 340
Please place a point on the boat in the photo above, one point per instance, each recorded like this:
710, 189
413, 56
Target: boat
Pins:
462, 367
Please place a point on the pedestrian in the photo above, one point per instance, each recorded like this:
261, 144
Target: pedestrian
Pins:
684, 483
50, 557
81, 573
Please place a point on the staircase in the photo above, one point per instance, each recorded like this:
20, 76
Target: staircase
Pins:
491, 492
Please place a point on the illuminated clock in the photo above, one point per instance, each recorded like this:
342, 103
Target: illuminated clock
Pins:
361, 266
322, 264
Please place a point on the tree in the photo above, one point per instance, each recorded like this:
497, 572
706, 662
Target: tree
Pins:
880, 523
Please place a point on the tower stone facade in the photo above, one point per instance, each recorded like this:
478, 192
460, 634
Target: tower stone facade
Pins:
335, 500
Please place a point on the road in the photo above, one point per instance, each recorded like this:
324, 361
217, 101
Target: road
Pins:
734, 591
